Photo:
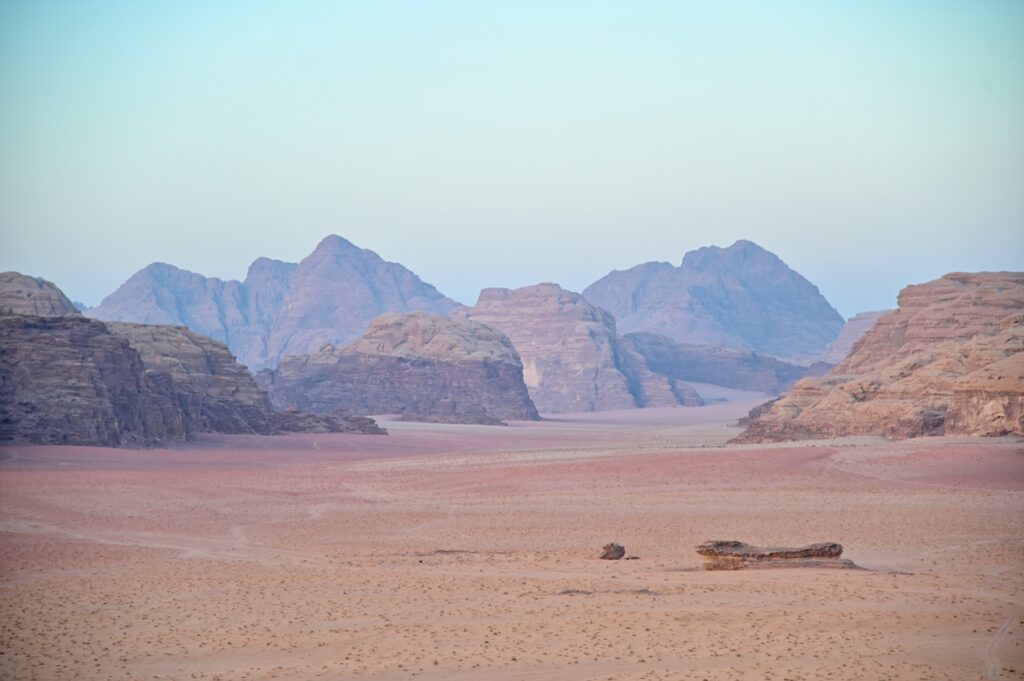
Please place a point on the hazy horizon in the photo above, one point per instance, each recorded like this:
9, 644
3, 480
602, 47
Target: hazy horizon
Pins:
868, 146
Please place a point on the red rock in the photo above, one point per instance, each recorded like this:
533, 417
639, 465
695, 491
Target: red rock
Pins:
573, 359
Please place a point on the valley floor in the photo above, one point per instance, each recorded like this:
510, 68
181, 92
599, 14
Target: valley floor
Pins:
469, 552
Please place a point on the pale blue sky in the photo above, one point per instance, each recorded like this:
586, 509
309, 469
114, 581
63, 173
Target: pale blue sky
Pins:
868, 144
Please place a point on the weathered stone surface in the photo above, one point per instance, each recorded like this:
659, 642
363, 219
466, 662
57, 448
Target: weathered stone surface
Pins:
957, 306
68, 380
424, 367
741, 296
218, 394
941, 364
24, 295
718, 365
281, 308
612, 551
735, 555
853, 330
573, 360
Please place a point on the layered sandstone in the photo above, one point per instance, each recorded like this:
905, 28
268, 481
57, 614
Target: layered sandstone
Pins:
218, 394
735, 555
68, 380
24, 295
948, 361
573, 359
742, 297
281, 308
424, 367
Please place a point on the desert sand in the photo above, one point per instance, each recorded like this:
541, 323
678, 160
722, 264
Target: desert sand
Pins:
470, 552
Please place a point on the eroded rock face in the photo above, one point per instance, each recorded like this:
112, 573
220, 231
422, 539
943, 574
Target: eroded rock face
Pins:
281, 308
424, 367
24, 295
948, 361
573, 359
218, 394
957, 306
719, 365
68, 380
742, 297
735, 555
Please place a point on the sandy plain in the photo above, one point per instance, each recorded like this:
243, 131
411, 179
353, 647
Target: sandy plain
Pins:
461, 552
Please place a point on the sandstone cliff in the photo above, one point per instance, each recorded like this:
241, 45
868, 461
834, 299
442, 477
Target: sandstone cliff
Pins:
948, 361
424, 367
68, 380
742, 297
573, 360
218, 394
281, 308
24, 295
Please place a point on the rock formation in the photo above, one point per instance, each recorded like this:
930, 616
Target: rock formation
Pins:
612, 551
719, 365
948, 361
24, 295
281, 308
573, 360
424, 367
742, 297
72, 380
735, 555
218, 394
68, 380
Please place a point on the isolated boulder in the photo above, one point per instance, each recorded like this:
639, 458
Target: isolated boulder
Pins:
613, 551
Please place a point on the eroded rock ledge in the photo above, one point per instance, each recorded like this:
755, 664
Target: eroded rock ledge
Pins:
735, 555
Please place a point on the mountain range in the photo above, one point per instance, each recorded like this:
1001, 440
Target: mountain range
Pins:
280, 308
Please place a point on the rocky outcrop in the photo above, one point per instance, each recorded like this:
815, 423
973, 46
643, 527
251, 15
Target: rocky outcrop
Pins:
294, 421
281, 308
718, 365
958, 306
742, 297
735, 555
423, 367
853, 330
68, 380
24, 295
218, 394
949, 361
612, 551
573, 359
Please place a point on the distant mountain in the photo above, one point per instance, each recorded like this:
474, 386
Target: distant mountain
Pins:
424, 367
718, 365
281, 308
573, 359
852, 331
742, 297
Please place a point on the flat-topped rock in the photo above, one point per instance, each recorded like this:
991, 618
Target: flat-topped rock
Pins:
736, 555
